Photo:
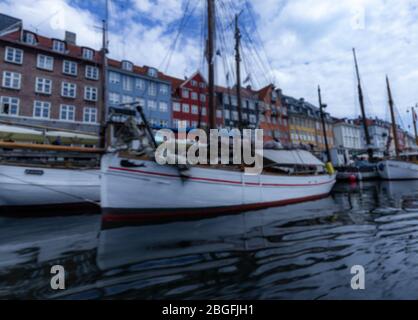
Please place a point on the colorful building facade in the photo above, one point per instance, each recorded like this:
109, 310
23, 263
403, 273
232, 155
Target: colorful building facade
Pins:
128, 83
50, 83
273, 115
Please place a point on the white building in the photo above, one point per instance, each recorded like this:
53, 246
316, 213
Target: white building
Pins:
348, 135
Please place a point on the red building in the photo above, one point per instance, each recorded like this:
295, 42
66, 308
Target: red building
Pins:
53, 83
190, 101
273, 115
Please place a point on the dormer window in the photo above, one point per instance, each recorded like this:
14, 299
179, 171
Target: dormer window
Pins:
58, 46
152, 72
29, 38
88, 54
128, 66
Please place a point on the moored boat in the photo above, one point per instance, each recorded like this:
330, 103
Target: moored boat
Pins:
45, 177
398, 169
138, 188
402, 166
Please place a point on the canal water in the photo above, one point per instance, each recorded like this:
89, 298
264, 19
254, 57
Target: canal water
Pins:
303, 251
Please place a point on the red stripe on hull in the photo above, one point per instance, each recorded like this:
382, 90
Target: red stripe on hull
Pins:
127, 215
220, 180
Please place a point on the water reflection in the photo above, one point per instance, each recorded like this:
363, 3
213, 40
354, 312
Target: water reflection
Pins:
302, 251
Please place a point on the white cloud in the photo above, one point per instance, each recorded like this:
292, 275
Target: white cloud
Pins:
308, 42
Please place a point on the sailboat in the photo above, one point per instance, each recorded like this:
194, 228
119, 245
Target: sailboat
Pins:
361, 170
42, 176
135, 187
402, 166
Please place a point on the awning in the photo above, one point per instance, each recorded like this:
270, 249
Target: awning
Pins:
20, 134
292, 157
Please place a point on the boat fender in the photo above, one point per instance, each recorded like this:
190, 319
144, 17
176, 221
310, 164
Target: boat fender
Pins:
330, 168
130, 164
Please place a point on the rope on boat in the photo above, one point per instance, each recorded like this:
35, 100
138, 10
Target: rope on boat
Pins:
52, 189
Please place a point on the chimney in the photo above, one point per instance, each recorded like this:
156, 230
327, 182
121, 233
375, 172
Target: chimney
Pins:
70, 37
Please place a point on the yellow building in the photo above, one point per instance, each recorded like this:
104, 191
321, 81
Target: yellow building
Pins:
305, 126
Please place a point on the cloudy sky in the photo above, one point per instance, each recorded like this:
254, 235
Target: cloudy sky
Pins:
299, 43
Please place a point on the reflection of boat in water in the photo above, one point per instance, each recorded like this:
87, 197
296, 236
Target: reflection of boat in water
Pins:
30, 247
404, 194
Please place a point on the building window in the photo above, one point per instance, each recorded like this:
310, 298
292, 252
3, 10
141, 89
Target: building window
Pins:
152, 72
163, 89
235, 115
202, 85
69, 90
43, 86
185, 93
128, 66
127, 99
92, 73
114, 98
69, 67
204, 111
13, 55
11, 80
219, 113
88, 54
41, 109
140, 84
90, 115
67, 113
195, 109
163, 107
253, 118
195, 96
152, 105
203, 97
58, 46
186, 108
127, 83
194, 83
45, 62
29, 38
152, 89
90, 93
176, 107
9, 106
141, 102
114, 77
227, 114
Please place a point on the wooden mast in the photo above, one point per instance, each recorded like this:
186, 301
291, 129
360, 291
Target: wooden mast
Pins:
321, 110
414, 121
363, 111
211, 63
103, 115
238, 68
392, 113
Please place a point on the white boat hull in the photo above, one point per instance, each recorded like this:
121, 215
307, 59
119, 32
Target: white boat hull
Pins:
150, 190
397, 170
25, 186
